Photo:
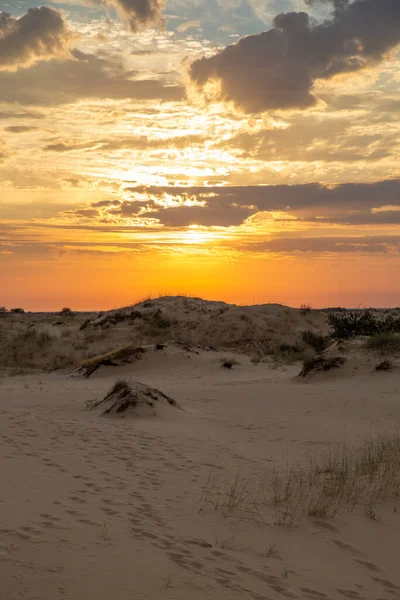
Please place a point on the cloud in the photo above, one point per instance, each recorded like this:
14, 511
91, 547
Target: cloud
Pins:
88, 76
140, 14
277, 68
40, 34
341, 245
353, 203
19, 128
217, 216
3, 152
141, 142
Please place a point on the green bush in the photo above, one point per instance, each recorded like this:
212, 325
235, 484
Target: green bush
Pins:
350, 324
315, 340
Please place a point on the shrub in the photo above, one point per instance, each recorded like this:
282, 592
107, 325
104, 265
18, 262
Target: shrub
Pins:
321, 363
228, 363
385, 343
305, 309
385, 365
18, 311
315, 340
161, 321
3, 310
290, 352
66, 312
364, 322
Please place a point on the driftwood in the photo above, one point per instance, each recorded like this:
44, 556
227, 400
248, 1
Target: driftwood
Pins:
114, 358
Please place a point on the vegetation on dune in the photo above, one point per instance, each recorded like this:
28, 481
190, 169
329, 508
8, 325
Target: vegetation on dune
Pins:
228, 363
384, 343
124, 395
305, 309
22, 351
321, 363
316, 341
323, 484
66, 312
346, 325
385, 365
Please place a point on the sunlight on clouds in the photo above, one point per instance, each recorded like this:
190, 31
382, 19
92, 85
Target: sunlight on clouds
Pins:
89, 142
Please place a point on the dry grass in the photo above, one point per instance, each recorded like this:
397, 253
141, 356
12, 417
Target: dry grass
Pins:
321, 363
384, 365
41, 347
23, 350
316, 341
288, 353
345, 477
384, 343
124, 395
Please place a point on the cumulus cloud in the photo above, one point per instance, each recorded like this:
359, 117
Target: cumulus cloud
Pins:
277, 68
140, 14
40, 34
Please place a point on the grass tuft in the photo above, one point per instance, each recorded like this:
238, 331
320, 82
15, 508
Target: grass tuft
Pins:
385, 365
318, 342
384, 343
344, 477
321, 363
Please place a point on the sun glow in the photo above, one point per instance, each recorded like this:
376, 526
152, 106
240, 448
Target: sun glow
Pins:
199, 235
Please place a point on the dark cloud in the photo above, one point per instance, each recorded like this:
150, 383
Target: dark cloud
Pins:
105, 203
290, 197
19, 128
40, 34
11, 114
69, 146
277, 69
140, 14
88, 76
183, 216
348, 203
341, 245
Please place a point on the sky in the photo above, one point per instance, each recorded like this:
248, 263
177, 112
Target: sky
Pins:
240, 150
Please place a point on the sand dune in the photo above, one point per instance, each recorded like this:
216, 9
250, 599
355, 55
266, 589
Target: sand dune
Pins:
178, 505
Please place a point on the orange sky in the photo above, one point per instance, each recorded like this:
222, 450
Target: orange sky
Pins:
168, 152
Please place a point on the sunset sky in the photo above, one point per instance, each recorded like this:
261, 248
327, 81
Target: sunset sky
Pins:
241, 150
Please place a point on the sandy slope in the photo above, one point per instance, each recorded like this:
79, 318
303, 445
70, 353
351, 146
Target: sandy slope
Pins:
93, 507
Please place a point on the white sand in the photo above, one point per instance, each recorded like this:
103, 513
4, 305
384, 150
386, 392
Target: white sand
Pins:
97, 508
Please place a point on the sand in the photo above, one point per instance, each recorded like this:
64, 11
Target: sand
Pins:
134, 505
